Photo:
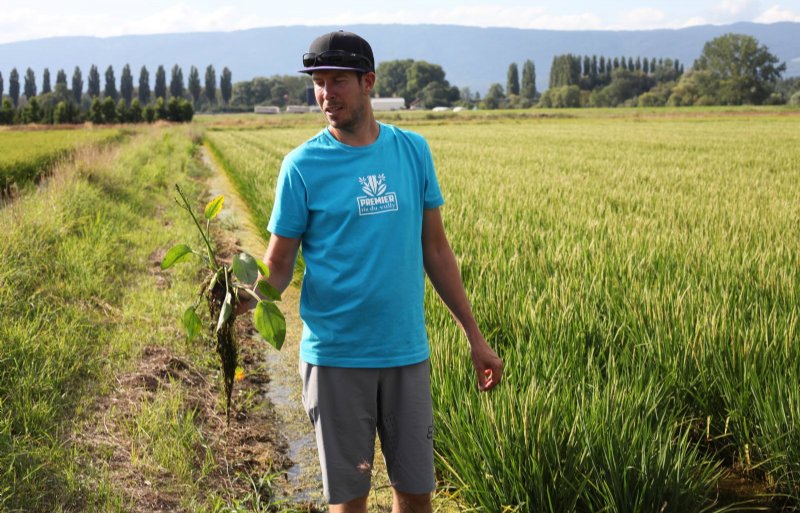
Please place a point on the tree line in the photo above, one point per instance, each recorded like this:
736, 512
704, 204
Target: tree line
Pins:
72, 103
733, 69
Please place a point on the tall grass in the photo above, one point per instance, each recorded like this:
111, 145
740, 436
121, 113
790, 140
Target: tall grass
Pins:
73, 264
639, 275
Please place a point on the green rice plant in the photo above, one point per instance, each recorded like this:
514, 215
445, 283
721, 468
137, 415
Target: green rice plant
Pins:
638, 272
25, 155
251, 159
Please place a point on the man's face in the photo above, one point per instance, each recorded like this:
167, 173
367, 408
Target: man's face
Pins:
342, 96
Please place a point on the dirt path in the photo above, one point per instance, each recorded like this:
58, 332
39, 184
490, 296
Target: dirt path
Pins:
303, 479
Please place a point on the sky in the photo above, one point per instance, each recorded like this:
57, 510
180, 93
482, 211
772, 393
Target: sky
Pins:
35, 19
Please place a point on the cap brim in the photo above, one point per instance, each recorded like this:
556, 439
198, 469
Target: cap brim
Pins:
323, 68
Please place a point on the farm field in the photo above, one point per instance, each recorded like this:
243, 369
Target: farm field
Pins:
25, 154
637, 270
638, 273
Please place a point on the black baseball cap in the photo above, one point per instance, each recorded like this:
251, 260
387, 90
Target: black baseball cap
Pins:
338, 50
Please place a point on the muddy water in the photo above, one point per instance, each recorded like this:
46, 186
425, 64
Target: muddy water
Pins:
303, 479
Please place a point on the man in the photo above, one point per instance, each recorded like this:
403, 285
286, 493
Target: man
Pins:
362, 199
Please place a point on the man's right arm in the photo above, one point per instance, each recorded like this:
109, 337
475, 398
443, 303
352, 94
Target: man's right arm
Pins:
280, 257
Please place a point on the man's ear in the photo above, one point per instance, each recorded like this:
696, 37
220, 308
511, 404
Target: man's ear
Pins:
369, 81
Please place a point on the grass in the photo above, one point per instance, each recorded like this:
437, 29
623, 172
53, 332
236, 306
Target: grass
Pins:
637, 270
27, 154
79, 301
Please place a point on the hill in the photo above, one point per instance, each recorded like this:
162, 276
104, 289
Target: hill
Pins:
472, 57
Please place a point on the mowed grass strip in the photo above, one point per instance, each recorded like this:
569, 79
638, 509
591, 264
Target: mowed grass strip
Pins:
638, 271
78, 300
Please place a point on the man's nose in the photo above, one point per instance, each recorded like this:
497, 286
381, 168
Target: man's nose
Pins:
327, 91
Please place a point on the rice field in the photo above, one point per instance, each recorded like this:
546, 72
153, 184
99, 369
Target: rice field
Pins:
639, 275
26, 154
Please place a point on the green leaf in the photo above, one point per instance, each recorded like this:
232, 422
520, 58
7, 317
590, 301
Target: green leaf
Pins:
177, 253
225, 312
270, 323
268, 290
245, 268
191, 322
263, 268
214, 207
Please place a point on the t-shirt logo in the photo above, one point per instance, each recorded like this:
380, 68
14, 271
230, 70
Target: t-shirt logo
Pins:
377, 200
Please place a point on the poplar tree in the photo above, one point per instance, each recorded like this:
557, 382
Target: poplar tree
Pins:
528, 88
61, 78
46, 88
126, 85
512, 79
176, 82
194, 85
226, 85
211, 84
144, 86
160, 89
1, 85
30, 84
77, 85
110, 90
93, 84
13, 86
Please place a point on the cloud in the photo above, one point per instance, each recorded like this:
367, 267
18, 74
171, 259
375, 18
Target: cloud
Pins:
735, 10
693, 22
640, 19
777, 13
481, 15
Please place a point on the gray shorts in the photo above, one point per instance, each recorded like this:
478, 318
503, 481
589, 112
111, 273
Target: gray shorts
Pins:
347, 406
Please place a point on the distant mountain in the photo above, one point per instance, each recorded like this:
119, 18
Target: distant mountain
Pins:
472, 57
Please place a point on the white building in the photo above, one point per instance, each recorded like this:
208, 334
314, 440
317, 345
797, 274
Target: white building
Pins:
296, 109
267, 109
383, 104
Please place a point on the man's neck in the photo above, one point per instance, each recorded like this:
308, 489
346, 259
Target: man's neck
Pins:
363, 135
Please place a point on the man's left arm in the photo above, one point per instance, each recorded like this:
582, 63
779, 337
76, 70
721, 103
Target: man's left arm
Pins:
442, 269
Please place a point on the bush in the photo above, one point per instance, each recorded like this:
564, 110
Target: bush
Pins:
122, 111
149, 113
96, 111
109, 109
561, 97
135, 112
6, 112
795, 99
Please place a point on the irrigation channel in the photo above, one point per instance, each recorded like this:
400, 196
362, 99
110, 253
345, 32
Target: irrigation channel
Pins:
283, 392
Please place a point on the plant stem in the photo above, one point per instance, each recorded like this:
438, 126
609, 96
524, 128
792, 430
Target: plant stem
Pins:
211, 260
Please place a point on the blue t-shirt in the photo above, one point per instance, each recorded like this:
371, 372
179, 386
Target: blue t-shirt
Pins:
358, 211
